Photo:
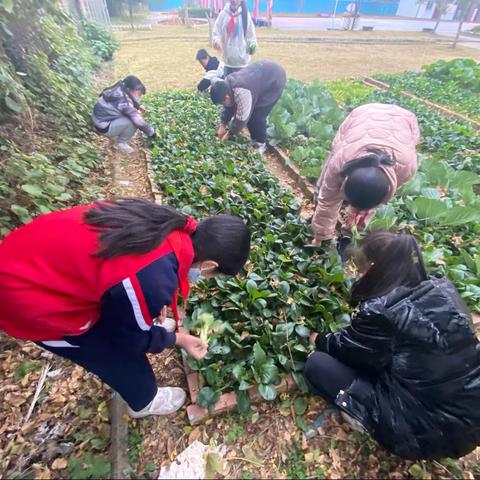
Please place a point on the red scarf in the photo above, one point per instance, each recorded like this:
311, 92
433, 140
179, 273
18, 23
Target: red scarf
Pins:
231, 22
359, 217
183, 250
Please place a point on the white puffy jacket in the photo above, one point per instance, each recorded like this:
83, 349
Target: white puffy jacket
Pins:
236, 45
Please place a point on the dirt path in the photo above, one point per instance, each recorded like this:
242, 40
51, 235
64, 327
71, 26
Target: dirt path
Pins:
275, 168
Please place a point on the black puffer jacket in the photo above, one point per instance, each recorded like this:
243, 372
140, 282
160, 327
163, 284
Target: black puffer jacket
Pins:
418, 388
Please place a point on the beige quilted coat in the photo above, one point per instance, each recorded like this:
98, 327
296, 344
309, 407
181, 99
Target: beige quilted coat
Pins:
378, 125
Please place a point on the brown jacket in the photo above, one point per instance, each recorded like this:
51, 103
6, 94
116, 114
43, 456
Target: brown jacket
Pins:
376, 125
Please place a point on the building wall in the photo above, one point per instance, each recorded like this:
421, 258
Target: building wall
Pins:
367, 7
411, 8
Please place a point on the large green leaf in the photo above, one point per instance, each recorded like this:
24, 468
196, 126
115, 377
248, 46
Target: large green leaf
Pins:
437, 212
35, 190
463, 178
269, 373
300, 405
7, 5
427, 208
13, 105
268, 392
243, 402
437, 172
208, 397
259, 356
300, 381
459, 215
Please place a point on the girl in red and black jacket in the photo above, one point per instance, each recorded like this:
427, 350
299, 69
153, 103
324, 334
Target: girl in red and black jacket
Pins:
88, 284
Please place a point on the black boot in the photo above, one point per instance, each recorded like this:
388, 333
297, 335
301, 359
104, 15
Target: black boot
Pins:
343, 244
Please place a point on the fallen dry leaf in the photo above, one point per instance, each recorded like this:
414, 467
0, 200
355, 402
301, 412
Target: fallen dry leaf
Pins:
15, 399
59, 464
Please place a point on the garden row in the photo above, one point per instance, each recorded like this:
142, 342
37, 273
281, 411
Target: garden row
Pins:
307, 117
440, 204
259, 322
454, 84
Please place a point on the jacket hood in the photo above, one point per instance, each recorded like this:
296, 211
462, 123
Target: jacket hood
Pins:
115, 92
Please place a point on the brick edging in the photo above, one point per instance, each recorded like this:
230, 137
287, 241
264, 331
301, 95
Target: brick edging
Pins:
227, 401
307, 188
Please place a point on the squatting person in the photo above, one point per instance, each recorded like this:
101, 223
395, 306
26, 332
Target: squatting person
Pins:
408, 368
89, 283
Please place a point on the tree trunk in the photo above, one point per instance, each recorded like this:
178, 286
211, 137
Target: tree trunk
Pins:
186, 13
459, 30
436, 25
356, 15
460, 24
130, 12
210, 30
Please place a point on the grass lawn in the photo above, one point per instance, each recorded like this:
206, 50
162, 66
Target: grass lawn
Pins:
170, 62
138, 19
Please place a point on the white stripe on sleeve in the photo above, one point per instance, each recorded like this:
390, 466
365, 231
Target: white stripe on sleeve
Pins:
59, 344
132, 296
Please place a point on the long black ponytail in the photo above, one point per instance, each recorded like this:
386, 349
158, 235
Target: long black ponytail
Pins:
392, 259
132, 226
135, 226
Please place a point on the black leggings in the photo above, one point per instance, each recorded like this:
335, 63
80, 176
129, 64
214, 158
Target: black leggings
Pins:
326, 376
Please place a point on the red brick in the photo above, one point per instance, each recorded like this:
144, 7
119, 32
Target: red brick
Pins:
227, 401
192, 382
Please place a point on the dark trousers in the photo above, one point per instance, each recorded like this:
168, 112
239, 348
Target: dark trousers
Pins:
128, 373
257, 125
326, 376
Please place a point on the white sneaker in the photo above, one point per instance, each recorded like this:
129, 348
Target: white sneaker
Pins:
169, 324
123, 147
166, 401
261, 148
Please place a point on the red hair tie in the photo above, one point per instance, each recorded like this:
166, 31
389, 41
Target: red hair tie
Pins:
190, 226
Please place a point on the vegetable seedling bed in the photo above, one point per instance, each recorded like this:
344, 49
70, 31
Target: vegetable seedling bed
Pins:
228, 401
371, 82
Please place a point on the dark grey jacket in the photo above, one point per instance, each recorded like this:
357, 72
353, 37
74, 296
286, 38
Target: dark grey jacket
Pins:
257, 86
115, 103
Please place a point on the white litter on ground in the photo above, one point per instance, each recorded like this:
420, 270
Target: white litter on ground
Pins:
191, 463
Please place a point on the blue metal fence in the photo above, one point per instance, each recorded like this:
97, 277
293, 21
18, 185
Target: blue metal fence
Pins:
367, 7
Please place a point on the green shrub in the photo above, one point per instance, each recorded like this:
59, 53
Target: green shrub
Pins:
47, 153
101, 40
195, 12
